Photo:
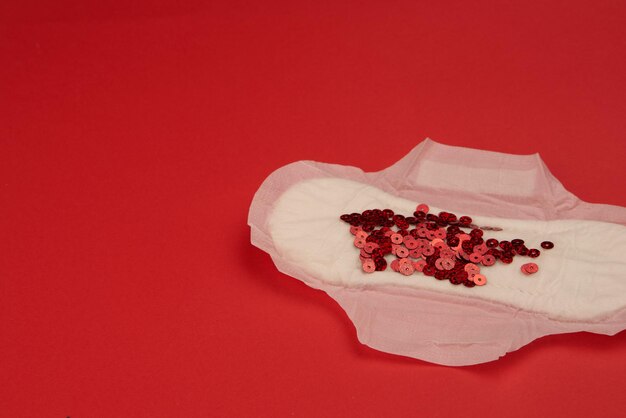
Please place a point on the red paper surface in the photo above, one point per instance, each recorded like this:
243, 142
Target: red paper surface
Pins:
134, 135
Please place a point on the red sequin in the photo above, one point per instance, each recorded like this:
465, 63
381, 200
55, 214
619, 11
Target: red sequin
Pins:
492, 242
529, 268
533, 253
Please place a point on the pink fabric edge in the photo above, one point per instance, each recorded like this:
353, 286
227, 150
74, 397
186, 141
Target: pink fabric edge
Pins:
390, 318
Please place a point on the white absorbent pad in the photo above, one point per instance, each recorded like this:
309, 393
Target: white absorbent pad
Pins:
580, 285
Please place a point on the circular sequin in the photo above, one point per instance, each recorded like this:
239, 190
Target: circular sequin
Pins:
397, 238
475, 258
369, 266
492, 242
547, 245
529, 268
479, 280
447, 263
489, 260
402, 252
406, 268
429, 270
422, 207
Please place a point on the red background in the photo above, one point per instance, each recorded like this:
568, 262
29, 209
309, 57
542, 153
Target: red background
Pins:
134, 135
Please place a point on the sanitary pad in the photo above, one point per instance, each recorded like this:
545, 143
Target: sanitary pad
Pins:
580, 285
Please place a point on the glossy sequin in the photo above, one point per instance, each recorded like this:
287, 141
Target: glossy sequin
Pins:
529, 268
369, 266
488, 260
534, 253
492, 242
422, 207
479, 280
396, 238
406, 268
359, 243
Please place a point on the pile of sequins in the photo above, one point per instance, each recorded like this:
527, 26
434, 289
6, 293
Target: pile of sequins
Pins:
435, 245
